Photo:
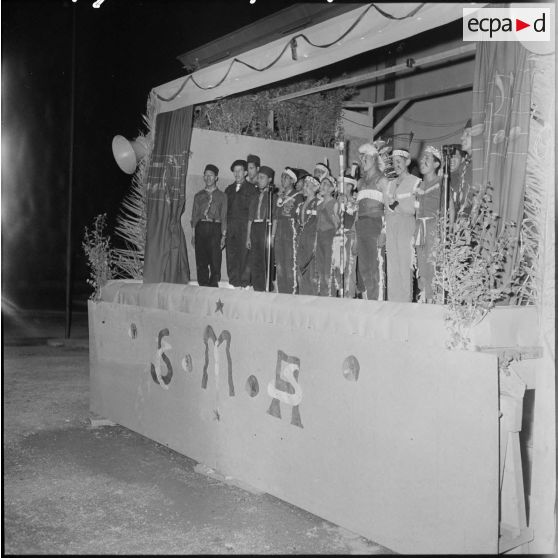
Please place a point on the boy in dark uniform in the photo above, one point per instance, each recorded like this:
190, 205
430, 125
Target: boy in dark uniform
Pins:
253, 168
239, 195
209, 228
258, 230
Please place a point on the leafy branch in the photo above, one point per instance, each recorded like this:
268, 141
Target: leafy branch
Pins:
470, 256
313, 119
100, 256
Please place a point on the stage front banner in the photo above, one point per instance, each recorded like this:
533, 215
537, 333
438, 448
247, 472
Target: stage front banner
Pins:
349, 409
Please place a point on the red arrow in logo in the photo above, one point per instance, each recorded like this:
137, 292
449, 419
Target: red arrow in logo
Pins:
519, 25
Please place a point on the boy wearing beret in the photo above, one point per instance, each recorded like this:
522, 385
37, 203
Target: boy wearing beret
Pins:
209, 228
253, 169
239, 196
258, 230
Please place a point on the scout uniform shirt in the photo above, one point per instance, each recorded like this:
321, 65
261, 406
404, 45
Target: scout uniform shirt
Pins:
258, 210
210, 206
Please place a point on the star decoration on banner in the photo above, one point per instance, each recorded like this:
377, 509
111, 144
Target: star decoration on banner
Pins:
219, 306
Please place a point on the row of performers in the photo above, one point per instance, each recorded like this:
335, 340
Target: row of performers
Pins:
381, 227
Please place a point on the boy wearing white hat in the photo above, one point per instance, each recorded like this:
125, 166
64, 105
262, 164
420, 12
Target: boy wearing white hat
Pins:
428, 205
344, 240
284, 231
400, 229
307, 276
327, 225
372, 190
321, 170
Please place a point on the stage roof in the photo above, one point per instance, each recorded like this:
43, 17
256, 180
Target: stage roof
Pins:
341, 36
274, 26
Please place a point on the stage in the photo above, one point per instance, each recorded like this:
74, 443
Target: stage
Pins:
353, 410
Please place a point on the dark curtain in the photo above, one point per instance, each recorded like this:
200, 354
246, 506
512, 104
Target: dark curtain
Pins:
500, 133
166, 257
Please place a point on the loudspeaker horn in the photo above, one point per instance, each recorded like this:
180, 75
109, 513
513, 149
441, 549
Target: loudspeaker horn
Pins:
128, 154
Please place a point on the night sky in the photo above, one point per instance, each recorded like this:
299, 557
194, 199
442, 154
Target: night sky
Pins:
123, 49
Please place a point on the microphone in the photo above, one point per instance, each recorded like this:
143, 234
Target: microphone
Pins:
449, 150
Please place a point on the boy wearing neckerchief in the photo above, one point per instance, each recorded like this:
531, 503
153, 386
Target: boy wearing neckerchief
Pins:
428, 205
327, 225
307, 278
372, 190
283, 235
400, 229
348, 211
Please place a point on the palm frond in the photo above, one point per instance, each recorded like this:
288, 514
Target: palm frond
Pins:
131, 222
527, 283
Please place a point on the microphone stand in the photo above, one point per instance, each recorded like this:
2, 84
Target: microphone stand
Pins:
444, 200
341, 148
269, 269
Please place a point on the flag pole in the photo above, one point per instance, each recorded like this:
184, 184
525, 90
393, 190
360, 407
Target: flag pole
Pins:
70, 181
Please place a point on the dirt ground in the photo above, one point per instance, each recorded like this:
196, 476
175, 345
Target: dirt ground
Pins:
74, 488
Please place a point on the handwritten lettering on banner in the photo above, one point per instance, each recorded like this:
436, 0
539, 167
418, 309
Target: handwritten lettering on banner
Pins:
284, 389
225, 336
162, 358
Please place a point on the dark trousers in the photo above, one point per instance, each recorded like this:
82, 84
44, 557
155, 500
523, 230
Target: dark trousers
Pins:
368, 231
284, 256
306, 261
208, 253
324, 247
257, 256
237, 252
424, 260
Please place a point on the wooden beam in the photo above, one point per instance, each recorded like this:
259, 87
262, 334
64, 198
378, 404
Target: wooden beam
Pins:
425, 95
357, 104
389, 117
408, 66
371, 114
513, 353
